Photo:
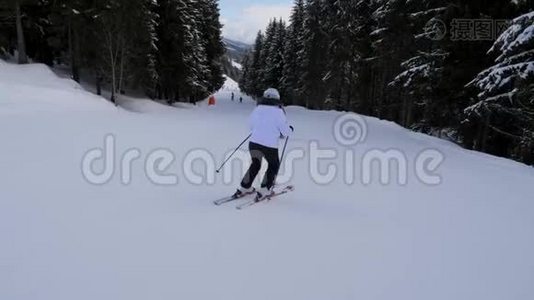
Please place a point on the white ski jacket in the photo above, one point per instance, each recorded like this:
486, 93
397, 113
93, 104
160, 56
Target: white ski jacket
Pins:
267, 123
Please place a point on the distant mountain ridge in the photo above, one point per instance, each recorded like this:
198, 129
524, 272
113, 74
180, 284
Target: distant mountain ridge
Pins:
236, 48
235, 52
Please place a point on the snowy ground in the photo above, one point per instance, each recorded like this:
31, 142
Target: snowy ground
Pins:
237, 65
469, 237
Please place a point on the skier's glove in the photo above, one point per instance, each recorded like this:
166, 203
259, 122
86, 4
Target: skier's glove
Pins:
291, 127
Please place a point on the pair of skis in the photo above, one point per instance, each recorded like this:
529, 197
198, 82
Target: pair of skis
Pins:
254, 201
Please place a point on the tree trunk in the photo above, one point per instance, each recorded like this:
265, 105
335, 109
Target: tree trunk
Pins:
407, 110
121, 68
485, 134
73, 52
98, 83
21, 43
112, 65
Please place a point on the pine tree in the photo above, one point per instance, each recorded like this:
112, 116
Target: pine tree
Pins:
348, 75
361, 86
274, 55
267, 53
141, 61
505, 101
466, 58
210, 27
420, 84
292, 61
245, 80
68, 21
182, 59
255, 74
193, 57
391, 45
314, 54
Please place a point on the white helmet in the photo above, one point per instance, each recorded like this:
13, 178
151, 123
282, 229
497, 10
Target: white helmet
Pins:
271, 94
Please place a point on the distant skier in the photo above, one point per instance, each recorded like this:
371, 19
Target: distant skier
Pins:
241, 99
267, 123
232, 96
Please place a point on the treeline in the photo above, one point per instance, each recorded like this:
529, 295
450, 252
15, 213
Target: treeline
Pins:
171, 49
423, 64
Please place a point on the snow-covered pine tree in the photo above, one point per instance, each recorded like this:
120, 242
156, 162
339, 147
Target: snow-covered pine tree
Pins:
245, 80
267, 54
193, 57
419, 84
506, 99
166, 44
336, 78
292, 60
210, 27
362, 86
349, 26
254, 77
142, 64
314, 54
391, 45
274, 59
182, 61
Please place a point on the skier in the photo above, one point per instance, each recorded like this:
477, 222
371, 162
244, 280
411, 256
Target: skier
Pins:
267, 122
232, 96
241, 99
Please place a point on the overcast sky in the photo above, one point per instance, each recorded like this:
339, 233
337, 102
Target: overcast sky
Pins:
243, 18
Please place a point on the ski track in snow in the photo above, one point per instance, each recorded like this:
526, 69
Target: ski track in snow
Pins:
471, 237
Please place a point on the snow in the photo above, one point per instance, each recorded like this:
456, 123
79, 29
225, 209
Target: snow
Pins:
230, 85
51, 93
493, 78
470, 237
236, 65
378, 31
515, 60
432, 11
516, 36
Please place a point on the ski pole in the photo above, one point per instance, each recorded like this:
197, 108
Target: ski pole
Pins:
282, 157
224, 163
284, 150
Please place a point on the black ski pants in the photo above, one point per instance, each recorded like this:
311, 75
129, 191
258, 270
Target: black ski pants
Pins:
257, 153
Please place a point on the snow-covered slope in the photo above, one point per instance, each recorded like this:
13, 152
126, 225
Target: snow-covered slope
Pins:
35, 88
469, 237
237, 65
229, 85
